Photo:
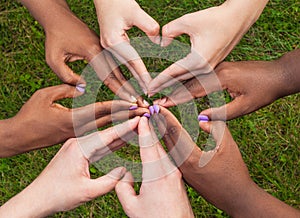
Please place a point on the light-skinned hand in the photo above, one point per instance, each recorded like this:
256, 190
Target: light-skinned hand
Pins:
162, 193
213, 34
65, 183
115, 17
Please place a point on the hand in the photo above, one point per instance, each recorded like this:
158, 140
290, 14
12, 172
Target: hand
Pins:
162, 187
219, 175
251, 84
213, 33
115, 17
65, 183
69, 39
41, 122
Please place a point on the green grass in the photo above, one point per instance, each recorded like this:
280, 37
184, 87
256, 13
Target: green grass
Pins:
268, 138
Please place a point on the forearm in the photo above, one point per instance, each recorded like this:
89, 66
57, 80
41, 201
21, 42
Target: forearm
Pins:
47, 12
8, 140
31, 202
290, 67
246, 11
255, 202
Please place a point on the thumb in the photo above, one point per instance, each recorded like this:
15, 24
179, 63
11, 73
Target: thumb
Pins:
125, 191
59, 92
102, 185
238, 107
147, 24
171, 30
64, 72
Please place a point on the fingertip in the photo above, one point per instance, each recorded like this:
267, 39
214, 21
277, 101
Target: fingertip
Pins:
205, 126
117, 173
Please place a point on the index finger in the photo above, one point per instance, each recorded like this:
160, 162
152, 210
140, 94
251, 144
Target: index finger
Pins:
97, 144
176, 138
184, 69
128, 56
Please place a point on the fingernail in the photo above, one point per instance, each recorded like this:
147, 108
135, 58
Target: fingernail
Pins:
146, 103
147, 115
145, 91
133, 99
156, 108
133, 107
118, 173
80, 89
151, 110
203, 118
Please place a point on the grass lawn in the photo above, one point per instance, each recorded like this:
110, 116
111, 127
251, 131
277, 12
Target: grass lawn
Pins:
268, 138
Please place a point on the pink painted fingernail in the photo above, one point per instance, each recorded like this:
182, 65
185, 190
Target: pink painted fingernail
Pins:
147, 115
156, 108
203, 118
133, 107
80, 88
151, 109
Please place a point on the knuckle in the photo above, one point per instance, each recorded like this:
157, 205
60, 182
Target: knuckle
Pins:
94, 49
108, 41
154, 29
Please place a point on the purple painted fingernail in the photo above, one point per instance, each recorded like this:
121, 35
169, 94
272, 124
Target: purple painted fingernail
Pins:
80, 88
151, 109
156, 108
147, 115
203, 118
133, 107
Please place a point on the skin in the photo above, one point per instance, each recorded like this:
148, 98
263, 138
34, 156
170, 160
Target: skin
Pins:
162, 186
224, 180
251, 84
213, 32
115, 17
69, 170
41, 122
69, 39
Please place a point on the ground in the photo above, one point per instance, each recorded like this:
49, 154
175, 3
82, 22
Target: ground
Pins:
268, 139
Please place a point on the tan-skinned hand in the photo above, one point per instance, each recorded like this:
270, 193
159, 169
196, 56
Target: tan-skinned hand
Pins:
219, 175
41, 122
251, 84
69, 39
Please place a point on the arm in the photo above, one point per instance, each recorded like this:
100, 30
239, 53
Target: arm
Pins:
213, 32
220, 175
65, 183
41, 122
251, 84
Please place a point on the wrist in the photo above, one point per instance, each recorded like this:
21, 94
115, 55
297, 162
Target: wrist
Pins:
246, 12
8, 132
289, 66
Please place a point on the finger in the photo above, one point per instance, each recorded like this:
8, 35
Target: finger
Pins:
59, 92
236, 108
147, 24
171, 30
177, 140
102, 185
64, 72
195, 88
127, 55
100, 109
126, 95
98, 143
148, 143
125, 191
